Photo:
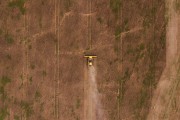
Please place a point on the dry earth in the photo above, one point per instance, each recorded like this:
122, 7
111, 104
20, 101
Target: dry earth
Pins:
42, 43
165, 103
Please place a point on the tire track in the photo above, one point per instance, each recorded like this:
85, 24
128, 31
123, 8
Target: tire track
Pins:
55, 30
56, 83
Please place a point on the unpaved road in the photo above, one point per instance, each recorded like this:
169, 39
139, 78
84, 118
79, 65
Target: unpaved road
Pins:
166, 88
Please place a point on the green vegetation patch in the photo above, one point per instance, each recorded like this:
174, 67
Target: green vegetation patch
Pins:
1, 31
19, 4
99, 19
78, 103
27, 108
9, 38
16, 117
3, 82
115, 5
67, 4
177, 6
3, 113
117, 33
44, 73
38, 95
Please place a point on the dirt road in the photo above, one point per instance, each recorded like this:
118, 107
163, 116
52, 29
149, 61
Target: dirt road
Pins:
166, 89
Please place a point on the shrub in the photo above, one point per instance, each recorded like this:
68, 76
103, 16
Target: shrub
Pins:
27, 108
19, 4
4, 80
9, 39
115, 5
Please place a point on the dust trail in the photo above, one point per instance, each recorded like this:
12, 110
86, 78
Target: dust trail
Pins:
93, 106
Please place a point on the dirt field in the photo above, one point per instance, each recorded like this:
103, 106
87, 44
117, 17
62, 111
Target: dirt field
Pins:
165, 103
42, 69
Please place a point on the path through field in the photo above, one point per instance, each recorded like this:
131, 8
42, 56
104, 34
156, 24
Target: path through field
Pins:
166, 88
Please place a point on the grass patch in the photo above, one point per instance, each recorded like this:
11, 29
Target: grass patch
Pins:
8, 57
3, 82
16, 117
27, 108
19, 4
149, 16
78, 102
121, 80
3, 114
126, 26
99, 19
1, 31
32, 66
117, 33
67, 4
30, 80
149, 79
29, 47
37, 95
142, 100
115, 5
44, 73
163, 38
8, 38
177, 6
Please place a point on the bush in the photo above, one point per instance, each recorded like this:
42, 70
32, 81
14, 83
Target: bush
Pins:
3, 113
27, 108
19, 4
177, 6
4, 80
115, 5
9, 39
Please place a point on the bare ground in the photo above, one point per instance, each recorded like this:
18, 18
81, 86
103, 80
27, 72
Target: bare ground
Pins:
163, 99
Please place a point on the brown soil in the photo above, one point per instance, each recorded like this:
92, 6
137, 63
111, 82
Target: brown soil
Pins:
42, 44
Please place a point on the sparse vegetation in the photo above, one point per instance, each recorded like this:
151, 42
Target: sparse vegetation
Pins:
115, 5
1, 31
78, 103
27, 107
21, 77
30, 80
8, 57
8, 38
177, 6
99, 19
163, 40
19, 4
126, 25
121, 81
44, 73
16, 117
40, 21
3, 113
38, 95
42, 107
32, 66
117, 33
67, 4
3, 82
144, 96
29, 47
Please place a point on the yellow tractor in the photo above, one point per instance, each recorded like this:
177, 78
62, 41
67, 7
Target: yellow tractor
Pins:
90, 59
